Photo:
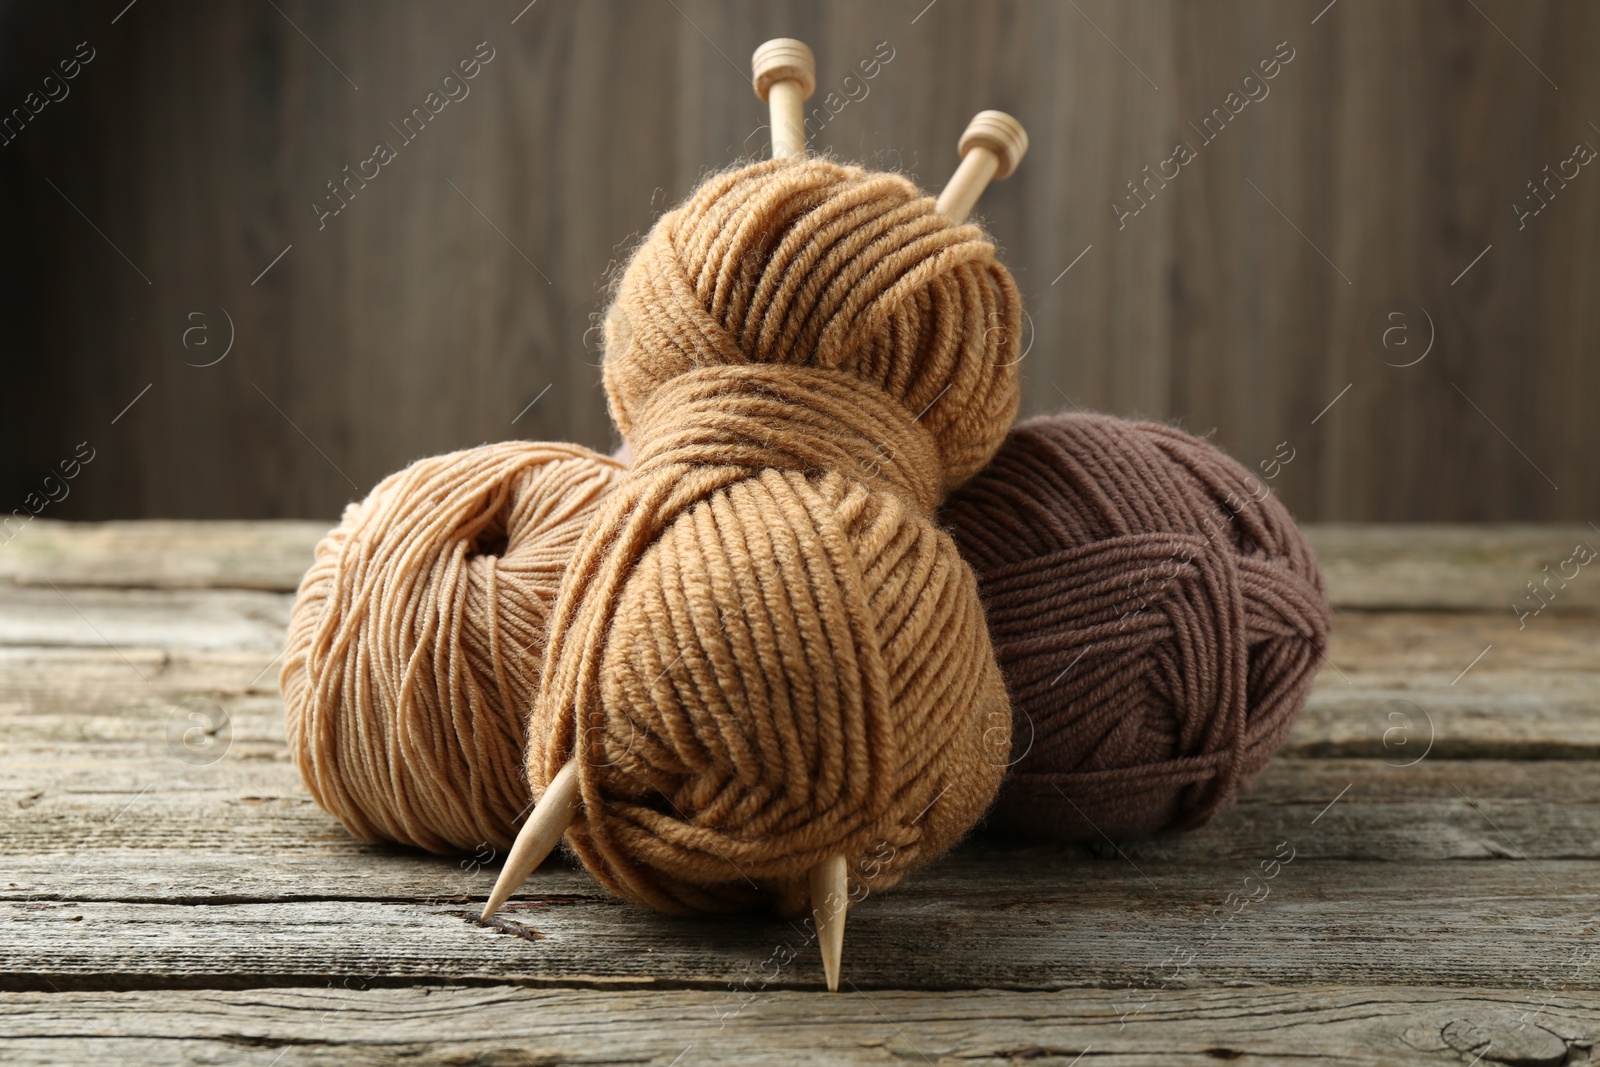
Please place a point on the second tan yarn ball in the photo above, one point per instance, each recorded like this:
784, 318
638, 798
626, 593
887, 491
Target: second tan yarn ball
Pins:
415, 642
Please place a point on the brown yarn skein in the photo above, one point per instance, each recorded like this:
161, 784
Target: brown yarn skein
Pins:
1158, 616
766, 652
415, 642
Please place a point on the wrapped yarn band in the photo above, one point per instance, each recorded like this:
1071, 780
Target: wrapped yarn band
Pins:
802, 419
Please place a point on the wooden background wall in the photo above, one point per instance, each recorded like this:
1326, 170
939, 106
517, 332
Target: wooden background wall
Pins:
459, 286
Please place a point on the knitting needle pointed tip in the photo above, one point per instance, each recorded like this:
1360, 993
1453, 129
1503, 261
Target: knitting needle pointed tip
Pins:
991, 147
784, 74
830, 901
538, 836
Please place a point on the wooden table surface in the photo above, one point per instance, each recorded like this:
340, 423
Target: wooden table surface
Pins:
174, 896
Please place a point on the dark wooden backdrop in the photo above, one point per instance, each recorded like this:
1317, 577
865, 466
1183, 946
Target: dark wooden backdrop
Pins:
459, 285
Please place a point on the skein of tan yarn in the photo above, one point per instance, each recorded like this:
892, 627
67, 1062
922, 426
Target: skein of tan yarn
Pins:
766, 652
416, 639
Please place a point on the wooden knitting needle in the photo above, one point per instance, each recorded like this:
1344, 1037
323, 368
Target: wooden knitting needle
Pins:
538, 836
785, 75
991, 147
830, 899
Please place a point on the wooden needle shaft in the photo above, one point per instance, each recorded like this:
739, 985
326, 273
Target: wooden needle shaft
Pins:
784, 74
787, 109
991, 147
541, 833
830, 901
960, 196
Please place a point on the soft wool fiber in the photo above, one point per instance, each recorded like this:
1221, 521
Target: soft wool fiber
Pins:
415, 642
1158, 616
766, 652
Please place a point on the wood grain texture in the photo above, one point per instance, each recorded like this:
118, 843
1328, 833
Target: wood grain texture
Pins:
1369, 568
1443, 567
1020, 926
461, 283
158, 831
270, 556
172, 895
517, 1027
1537, 697
223, 620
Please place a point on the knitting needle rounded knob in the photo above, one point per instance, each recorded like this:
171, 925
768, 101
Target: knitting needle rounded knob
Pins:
538, 836
830, 900
784, 74
992, 146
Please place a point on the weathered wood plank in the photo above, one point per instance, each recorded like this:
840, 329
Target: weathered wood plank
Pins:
1474, 682
1470, 684
92, 774
212, 619
1417, 567
509, 1025
1033, 925
109, 772
1453, 567
165, 554
99, 827
1446, 643
46, 680
1505, 714
125, 700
